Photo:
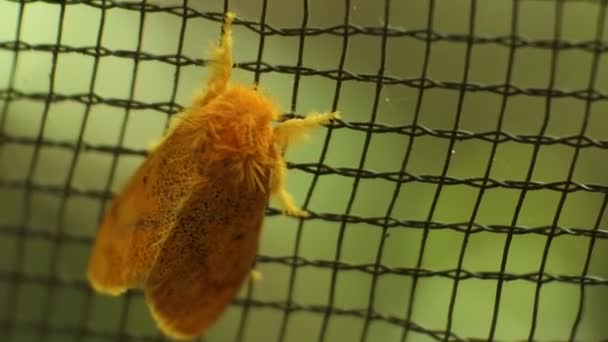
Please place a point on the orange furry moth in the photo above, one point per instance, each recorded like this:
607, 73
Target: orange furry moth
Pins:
186, 225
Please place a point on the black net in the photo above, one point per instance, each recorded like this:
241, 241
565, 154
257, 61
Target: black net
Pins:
463, 196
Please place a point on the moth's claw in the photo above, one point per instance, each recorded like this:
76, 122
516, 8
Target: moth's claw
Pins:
296, 212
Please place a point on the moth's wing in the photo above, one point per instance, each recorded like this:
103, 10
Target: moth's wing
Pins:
127, 241
205, 259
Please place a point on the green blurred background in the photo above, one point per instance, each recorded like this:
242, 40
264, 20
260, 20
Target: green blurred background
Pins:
474, 305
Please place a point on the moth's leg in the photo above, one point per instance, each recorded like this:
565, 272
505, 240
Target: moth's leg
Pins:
256, 275
291, 130
221, 66
277, 188
284, 134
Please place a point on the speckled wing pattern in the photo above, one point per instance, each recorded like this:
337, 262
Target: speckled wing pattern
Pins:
205, 259
128, 240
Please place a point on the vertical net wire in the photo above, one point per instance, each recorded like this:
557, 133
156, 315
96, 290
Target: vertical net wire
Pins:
457, 230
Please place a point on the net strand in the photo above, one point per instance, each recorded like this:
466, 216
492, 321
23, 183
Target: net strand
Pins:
465, 239
283, 326
13, 289
413, 130
460, 227
503, 108
128, 297
396, 177
594, 71
332, 74
349, 29
553, 67
531, 168
19, 260
440, 186
57, 243
357, 177
599, 35
585, 271
280, 305
384, 234
422, 272
88, 295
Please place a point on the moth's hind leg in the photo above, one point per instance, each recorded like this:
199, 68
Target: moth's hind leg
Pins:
221, 66
277, 188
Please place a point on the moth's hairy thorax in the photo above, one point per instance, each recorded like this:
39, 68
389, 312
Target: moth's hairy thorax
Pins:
234, 132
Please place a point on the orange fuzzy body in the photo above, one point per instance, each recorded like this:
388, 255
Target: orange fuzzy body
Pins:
186, 226
188, 221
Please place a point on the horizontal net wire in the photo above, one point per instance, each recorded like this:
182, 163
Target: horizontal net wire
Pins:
465, 200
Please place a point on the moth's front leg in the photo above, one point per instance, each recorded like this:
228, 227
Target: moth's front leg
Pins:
293, 129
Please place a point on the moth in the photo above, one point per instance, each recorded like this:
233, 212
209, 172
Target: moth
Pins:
186, 225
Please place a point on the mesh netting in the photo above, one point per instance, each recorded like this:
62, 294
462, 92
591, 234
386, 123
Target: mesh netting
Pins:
462, 197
